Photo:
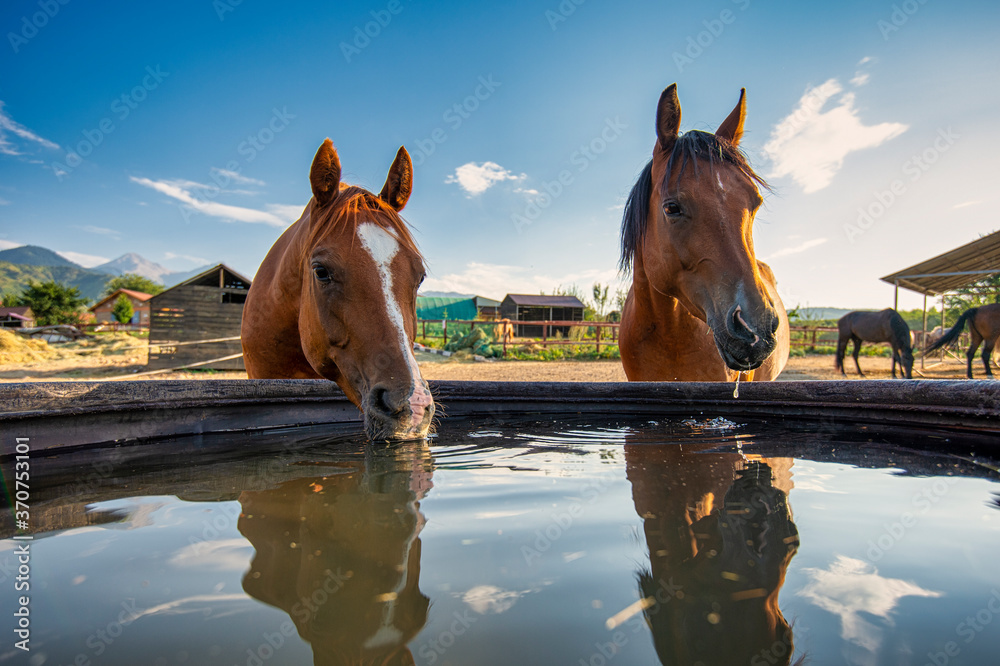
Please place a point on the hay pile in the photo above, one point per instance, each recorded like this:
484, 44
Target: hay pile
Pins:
15, 348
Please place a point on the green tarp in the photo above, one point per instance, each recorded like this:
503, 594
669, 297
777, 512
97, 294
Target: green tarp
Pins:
429, 307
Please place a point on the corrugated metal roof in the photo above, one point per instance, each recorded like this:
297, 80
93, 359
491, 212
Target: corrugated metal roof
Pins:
483, 302
546, 301
434, 307
952, 270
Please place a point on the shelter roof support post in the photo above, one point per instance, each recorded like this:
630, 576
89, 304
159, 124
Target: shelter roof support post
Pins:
895, 300
923, 338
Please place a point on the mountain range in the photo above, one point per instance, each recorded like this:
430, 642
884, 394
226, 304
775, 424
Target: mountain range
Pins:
26, 263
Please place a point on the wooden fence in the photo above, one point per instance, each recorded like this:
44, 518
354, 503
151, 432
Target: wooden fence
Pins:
600, 338
809, 337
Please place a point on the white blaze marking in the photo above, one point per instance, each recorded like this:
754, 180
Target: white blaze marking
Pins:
382, 248
718, 179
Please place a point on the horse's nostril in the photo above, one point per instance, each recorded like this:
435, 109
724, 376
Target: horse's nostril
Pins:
380, 400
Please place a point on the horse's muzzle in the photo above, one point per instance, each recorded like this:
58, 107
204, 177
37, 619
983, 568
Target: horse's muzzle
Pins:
398, 415
745, 342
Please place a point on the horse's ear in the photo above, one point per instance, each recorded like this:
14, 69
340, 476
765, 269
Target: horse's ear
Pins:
399, 182
324, 176
731, 128
668, 118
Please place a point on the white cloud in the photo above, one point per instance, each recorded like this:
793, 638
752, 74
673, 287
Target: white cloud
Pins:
9, 245
968, 203
85, 260
9, 125
200, 261
237, 178
278, 215
851, 589
860, 78
795, 249
477, 178
810, 144
4, 202
100, 231
496, 281
491, 600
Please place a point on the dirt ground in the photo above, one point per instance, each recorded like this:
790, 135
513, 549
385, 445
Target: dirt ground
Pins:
131, 365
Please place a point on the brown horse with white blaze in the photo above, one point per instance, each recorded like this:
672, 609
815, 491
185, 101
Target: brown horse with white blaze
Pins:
701, 306
335, 298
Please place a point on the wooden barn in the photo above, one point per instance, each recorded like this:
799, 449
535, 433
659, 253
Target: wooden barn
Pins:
208, 306
535, 307
16, 317
486, 307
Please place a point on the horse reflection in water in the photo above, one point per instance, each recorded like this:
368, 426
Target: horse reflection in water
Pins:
720, 538
341, 555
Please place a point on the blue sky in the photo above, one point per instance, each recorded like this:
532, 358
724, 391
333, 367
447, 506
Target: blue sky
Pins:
118, 119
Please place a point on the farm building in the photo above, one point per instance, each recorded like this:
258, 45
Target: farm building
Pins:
487, 307
432, 307
208, 306
16, 317
103, 309
535, 307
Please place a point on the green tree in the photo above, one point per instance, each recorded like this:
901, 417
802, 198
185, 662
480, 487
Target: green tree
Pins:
122, 309
979, 293
600, 298
53, 303
132, 281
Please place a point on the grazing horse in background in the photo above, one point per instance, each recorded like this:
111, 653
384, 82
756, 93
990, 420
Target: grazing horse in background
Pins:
701, 306
884, 326
336, 297
503, 331
984, 325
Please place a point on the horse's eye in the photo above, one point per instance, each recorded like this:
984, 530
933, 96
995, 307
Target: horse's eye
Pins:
322, 274
422, 278
672, 208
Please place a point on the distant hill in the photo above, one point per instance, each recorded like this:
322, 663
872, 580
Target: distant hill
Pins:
33, 255
134, 263
444, 294
813, 314
14, 277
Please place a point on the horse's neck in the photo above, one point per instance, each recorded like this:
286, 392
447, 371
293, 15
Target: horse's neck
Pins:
654, 303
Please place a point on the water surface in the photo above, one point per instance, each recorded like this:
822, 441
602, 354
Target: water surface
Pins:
578, 542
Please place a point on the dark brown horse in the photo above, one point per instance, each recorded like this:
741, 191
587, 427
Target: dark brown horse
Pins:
335, 298
884, 326
984, 325
701, 306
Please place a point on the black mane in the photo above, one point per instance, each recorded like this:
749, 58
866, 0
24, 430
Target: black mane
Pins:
693, 146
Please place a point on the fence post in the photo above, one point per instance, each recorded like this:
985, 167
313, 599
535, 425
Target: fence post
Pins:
444, 328
545, 333
598, 341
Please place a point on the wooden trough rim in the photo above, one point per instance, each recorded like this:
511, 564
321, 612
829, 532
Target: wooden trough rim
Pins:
63, 415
